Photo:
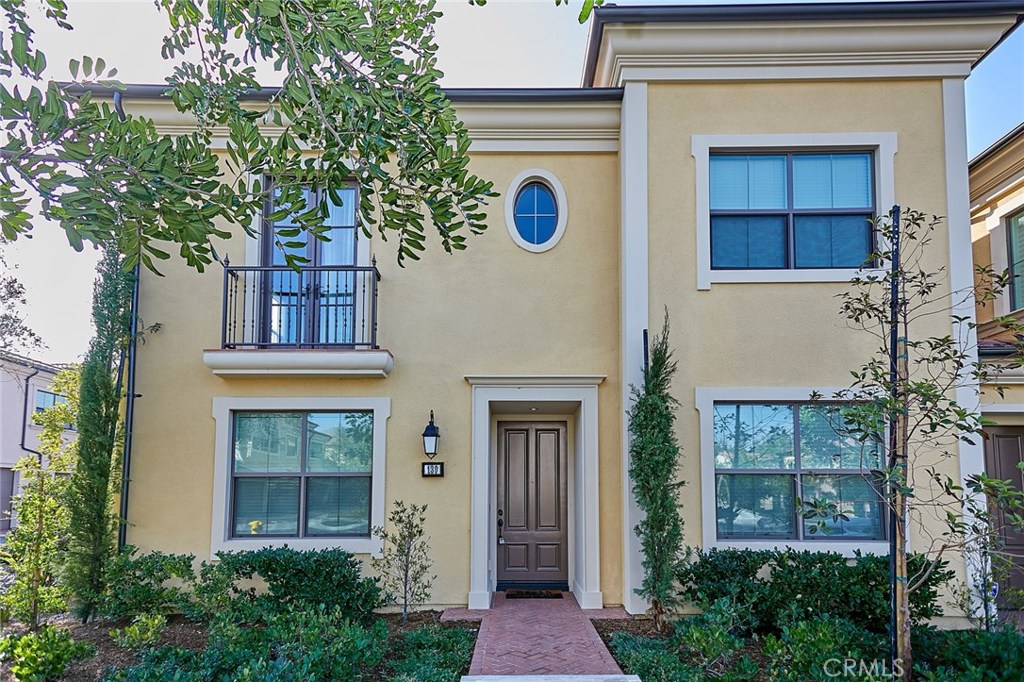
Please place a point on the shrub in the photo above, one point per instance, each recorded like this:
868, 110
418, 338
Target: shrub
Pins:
653, 465
42, 655
296, 643
137, 584
143, 633
652, 660
433, 654
778, 587
405, 564
710, 639
970, 655
804, 650
330, 578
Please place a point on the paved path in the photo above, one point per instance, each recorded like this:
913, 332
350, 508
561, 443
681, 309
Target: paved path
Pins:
538, 637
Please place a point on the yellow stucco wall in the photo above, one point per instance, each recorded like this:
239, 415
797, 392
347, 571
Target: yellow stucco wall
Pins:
773, 334
497, 309
492, 309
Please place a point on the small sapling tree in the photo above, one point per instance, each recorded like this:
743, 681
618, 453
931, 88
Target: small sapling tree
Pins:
906, 407
654, 456
405, 565
34, 549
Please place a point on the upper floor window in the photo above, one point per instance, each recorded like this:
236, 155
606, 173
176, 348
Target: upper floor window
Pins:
767, 456
281, 237
536, 213
1015, 235
536, 210
47, 399
780, 210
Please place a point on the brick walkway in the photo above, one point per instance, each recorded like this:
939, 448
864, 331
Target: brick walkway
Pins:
538, 637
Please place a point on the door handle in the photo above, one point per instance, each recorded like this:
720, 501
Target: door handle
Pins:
501, 524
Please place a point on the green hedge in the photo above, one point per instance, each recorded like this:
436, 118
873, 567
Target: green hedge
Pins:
774, 588
160, 583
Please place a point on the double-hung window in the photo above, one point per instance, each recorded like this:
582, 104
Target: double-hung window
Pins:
301, 474
791, 210
767, 456
1015, 237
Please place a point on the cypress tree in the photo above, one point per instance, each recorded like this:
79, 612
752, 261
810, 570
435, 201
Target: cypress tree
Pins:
654, 456
91, 490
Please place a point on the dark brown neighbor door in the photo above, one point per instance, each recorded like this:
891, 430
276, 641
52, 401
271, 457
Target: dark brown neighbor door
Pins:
1004, 449
531, 506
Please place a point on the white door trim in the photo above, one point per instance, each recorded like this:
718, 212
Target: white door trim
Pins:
584, 546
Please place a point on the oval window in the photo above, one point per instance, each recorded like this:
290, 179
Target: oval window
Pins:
536, 213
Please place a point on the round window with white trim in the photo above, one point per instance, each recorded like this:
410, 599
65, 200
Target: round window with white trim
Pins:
535, 210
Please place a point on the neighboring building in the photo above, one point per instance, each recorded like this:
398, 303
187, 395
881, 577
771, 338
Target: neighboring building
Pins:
997, 225
720, 162
25, 389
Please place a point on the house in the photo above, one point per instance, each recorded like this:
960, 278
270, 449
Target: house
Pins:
997, 227
720, 163
25, 390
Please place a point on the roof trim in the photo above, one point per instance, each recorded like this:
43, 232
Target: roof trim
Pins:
25, 361
996, 146
648, 14
531, 95
457, 95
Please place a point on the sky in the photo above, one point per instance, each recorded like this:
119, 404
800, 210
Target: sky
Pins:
507, 43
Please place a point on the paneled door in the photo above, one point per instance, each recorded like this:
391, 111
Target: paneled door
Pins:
1004, 450
531, 506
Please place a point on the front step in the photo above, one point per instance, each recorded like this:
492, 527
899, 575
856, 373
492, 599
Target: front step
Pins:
550, 678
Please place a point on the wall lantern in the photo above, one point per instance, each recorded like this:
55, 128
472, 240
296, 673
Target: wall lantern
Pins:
431, 435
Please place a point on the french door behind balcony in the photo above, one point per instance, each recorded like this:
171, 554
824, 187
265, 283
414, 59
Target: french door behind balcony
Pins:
316, 304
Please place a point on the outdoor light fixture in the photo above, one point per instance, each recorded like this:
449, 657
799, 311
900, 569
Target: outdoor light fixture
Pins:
431, 435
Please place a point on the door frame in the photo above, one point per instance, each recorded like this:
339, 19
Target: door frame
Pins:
583, 463
567, 423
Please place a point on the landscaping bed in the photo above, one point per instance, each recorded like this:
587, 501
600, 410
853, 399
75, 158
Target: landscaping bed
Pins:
182, 633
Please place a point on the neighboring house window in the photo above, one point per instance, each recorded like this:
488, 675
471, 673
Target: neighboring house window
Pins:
767, 456
302, 474
7, 477
1015, 235
791, 210
47, 399
535, 210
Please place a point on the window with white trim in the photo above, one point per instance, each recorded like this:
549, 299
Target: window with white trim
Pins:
785, 210
770, 456
302, 474
1015, 239
789, 207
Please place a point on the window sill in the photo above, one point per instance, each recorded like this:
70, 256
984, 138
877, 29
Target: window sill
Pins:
783, 276
844, 547
253, 364
371, 546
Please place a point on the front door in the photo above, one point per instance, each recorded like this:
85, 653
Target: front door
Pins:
1004, 450
532, 506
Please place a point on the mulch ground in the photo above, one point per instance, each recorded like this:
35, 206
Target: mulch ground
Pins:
189, 635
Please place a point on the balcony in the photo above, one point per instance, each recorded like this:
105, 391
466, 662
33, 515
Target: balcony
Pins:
306, 322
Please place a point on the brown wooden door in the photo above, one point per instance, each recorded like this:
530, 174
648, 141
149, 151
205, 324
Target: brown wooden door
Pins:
532, 506
1004, 450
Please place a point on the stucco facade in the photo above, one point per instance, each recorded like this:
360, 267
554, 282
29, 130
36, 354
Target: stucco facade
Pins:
499, 333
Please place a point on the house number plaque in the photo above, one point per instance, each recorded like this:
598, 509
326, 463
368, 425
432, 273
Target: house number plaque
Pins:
433, 469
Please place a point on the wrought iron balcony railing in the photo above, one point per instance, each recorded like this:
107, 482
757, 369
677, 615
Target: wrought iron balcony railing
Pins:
326, 306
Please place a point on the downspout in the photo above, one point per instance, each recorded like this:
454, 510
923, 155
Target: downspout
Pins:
24, 414
129, 415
